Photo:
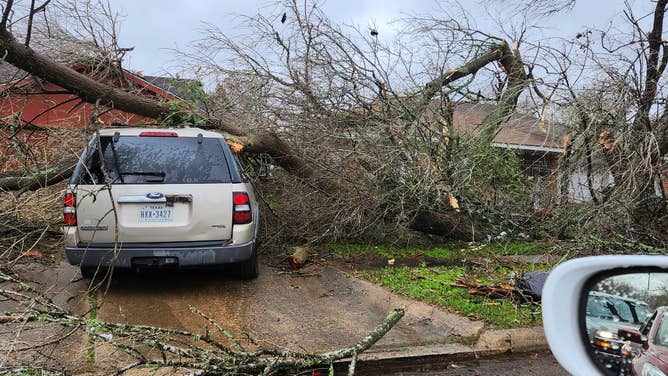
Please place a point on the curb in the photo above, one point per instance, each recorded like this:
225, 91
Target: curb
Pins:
491, 343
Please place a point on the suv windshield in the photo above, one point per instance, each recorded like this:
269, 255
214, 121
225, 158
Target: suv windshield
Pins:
611, 308
157, 160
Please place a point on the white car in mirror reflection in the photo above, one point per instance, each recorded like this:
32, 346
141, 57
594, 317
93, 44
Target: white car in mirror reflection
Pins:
605, 315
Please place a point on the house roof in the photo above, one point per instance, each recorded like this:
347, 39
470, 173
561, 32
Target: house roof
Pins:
519, 131
167, 87
179, 87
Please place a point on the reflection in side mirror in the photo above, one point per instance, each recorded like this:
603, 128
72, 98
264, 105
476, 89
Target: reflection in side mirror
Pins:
624, 318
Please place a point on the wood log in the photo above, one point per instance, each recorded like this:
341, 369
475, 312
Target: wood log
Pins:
299, 256
451, 224
14, 181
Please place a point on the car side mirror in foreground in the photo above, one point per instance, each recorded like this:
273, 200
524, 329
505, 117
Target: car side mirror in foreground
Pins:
604, 315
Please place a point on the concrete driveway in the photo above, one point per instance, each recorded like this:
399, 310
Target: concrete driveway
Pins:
307, 314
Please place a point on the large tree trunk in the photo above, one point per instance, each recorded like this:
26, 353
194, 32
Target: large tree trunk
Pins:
14, 181
87, 89
451, 225
647, 207
511, 61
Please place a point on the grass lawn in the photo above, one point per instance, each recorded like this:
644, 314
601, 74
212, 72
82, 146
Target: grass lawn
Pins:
451, 250
431, 280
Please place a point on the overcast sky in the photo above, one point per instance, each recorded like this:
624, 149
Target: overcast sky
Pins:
153, 27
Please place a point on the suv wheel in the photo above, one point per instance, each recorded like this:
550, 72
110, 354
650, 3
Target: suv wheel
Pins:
246, 269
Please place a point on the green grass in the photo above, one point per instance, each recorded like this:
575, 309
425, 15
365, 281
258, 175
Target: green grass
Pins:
352, 250
472, 262
446, 251
432, 284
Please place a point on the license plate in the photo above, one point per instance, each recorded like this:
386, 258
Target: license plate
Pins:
155, 213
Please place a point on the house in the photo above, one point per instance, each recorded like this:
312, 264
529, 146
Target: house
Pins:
538, 144
540, 148
30, 102
28, 106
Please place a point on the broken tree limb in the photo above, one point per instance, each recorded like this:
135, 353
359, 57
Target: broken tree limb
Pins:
512, 64
89, 90
14, 181
364, 344
199, 353
92, 91
472, 67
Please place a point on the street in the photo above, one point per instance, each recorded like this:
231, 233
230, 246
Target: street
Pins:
543, 364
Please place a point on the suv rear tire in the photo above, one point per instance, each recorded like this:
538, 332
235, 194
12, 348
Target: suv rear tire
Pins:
246, 269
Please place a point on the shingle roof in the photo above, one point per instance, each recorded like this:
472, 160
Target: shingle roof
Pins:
518, 129
179, 87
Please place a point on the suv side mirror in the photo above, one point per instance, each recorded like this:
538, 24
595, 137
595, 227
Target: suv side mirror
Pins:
593, 308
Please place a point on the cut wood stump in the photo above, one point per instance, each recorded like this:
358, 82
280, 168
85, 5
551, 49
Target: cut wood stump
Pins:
299, 256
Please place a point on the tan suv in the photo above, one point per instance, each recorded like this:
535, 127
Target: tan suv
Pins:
160, 198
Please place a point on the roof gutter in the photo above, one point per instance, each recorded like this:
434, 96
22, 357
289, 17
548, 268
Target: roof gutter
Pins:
547, 149
140, 80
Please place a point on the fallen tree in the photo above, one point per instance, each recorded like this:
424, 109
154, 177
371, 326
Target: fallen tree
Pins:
22, 56
32, 180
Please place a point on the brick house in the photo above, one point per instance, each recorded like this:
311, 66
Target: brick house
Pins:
538, 145
30, 107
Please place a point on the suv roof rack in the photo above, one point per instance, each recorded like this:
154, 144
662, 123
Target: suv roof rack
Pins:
153, 125
139, 125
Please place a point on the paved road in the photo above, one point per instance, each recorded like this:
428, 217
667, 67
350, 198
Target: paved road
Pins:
543, 364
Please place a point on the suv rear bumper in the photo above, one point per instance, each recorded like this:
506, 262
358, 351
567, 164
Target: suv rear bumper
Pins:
196, 255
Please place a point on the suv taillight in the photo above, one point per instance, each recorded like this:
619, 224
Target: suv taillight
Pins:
69, 209
242, 209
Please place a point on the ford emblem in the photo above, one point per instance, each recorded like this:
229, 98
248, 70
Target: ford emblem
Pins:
155, 195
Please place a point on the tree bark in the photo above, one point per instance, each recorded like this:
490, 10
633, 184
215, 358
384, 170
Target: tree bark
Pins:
14, 181
451, 225
511, 61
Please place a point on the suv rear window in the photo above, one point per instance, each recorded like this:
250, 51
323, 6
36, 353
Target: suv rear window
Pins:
158, 160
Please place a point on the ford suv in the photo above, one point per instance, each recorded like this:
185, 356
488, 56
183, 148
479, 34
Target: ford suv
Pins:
143, 198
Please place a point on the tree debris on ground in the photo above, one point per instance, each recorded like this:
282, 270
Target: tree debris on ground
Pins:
214, 351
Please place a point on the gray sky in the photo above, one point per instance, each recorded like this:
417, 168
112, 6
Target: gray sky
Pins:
154, 27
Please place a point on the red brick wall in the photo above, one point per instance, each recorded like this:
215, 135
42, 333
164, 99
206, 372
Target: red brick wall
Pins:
55, 110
